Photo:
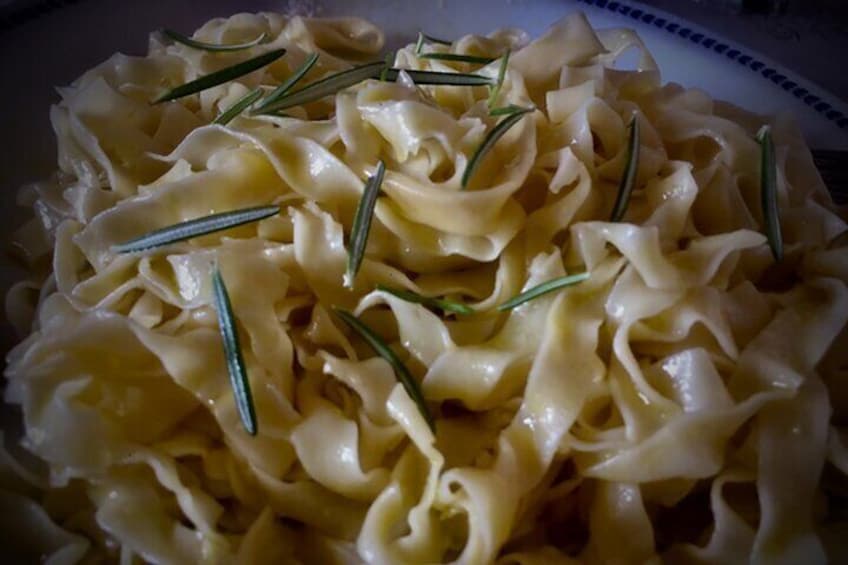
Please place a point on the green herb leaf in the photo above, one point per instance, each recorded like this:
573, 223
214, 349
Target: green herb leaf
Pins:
497, 132
401, 372
541, 289
496, 89
220, 77
419, 48
432, 303
507, 110
628, 179
325, 87
339, 81
388, 60
437, 77
238, 107
768, 193
287, 84
195, 228
457, 57
419, 45
214, 47
362, 224
232, 353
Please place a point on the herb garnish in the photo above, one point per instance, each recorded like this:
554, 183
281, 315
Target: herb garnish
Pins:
325, 87
334, 83
541, 289
362, 224
287, 84
214, 47
768, 193
496, 88
194, 228
493, 136
628, 178
419, 45
458, 57
383, 350
232, 353
238, 107
427, 301
506, 110
220, 77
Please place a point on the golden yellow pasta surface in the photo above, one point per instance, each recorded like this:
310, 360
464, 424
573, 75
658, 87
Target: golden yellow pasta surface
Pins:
386, 394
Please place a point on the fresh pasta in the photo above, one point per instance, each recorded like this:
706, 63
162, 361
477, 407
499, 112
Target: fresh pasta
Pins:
682, 401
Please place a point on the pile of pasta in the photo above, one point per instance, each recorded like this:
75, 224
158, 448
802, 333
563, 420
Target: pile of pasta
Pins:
683, 403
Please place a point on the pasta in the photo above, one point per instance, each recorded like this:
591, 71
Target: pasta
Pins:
683, 403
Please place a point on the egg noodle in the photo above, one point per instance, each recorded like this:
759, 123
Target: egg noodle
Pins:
682, 403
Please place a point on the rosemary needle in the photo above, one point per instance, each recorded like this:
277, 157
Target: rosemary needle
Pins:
233, 355
429, 302
628, 178
362, 224
383, 350
213, 47
768, 193
220, 77
332, 84
194, 228
238, 107
287, 84
491, 139
541, 289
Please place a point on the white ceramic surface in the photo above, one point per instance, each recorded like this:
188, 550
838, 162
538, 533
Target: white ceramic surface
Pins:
60, 45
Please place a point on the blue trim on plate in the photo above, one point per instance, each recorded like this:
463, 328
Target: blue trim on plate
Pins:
639, 14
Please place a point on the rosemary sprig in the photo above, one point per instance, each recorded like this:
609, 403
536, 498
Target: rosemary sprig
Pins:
214, 47
541, 289
422, 37
220, 77
497, 132
506, 110
339, 81
474, 59
325, 87
388, 60
496, 89
437, 77
427, 301
628, 179
232, 352
287, 84
419, 44
194, 228
768, 193
401, 372
238, 107
362, 224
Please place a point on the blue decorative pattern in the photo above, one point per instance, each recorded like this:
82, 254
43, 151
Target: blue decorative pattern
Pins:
787, 84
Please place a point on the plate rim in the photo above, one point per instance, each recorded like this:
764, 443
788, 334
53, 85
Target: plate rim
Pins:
819, 99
